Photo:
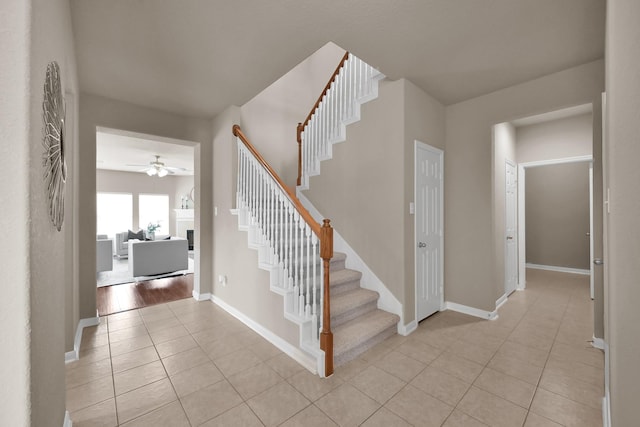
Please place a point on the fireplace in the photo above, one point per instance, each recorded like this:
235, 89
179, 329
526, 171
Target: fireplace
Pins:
190, 239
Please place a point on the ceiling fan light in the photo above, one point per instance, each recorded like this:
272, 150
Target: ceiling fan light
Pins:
162, 172
151, 171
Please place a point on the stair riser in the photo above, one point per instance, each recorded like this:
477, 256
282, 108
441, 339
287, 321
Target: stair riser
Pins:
345, 287
353, 313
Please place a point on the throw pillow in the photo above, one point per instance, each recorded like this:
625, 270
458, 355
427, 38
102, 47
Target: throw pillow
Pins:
167, 238
138, 235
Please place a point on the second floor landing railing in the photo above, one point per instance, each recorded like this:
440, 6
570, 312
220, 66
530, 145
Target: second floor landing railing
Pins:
294, 240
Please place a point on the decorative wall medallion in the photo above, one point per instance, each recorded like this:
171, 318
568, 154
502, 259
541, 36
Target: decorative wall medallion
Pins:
55, 169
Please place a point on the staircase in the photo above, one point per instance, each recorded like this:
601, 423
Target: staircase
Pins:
318, 290
357, 323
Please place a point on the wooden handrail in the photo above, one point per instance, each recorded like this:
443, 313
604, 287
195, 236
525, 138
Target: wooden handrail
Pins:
325, 235
290, 194
302, 125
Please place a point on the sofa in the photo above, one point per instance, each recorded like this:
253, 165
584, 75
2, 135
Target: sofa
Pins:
121, 246
150, 258
104, 253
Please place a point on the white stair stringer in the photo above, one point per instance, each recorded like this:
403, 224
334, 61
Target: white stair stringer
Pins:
355, 84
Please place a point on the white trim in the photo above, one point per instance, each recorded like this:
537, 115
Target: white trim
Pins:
471, 311
405, 330
559, 269
440, 153
201, 297
387, 301
591, 237
597, 343
606, 409
67, 420
73, 355
522, 227
562, 160
517, 233
290, 350
500, 301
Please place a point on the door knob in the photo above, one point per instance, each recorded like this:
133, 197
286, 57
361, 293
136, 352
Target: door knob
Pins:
598, 261
509, 237
422, 245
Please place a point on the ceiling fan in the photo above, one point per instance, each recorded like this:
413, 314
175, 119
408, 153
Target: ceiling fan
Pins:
159, 169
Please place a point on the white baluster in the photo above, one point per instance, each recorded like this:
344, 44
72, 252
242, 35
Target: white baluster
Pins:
307, 240
314, 328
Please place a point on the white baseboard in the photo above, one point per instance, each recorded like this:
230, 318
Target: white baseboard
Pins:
67, 420
295, 353
74, 354
201, 297
471, 311
606, 409
408, 328
500, 301
597, 343
559, 269
387, 301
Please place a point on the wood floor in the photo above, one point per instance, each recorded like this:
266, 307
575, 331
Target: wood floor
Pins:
129, 296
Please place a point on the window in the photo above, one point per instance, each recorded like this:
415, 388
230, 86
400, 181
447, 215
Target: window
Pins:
154, 209
114, 212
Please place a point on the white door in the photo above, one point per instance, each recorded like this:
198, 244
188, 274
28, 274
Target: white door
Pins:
511, 232
428, 227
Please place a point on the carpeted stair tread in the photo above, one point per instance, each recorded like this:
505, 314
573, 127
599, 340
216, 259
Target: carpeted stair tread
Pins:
346, 301
344, 280
360, 332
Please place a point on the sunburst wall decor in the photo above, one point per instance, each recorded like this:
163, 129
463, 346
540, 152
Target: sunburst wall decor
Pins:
55, 169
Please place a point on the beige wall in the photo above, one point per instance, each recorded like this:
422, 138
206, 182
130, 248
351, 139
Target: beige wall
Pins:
34, 304
367, 186
471, 267
98, 111
557, 213
623, 175
270, 119
556, 139
140, 183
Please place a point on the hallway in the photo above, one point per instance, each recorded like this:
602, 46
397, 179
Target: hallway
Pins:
189, 363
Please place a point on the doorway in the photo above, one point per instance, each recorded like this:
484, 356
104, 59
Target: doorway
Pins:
429, 263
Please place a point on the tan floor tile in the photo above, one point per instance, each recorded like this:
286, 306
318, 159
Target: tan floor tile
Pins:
284, 365
459, 367
277, 404
230, 344
505, 386
471, 352
160, 324
91, 355
116, 325
237, 362
240, 416
375, 353
351, 369
264, 349
92, 339
400, 365
491, 409
312, 386
535, 420
137, 377
576, 370
418, 408
123, 315
253, 381
347, 406
210, 402
523, 353
585, 354
193, 379
310, 416
128, 333
171, 415
419, 351
565, 411
210, 334
377, 384
168, 334
134, 359
439, 339
572, 388
90, 393
185, 360
175, 346
460, 419
144, 399
441, 385
385, 418
516, 368
78, 373
129, 345
102, 414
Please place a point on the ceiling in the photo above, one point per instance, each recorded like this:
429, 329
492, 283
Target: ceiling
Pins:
196, 57
123, 151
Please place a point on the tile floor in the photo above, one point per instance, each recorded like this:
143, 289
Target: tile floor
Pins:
189, 363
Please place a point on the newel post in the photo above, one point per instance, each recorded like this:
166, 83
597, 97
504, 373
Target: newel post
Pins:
326, 336
299, 130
